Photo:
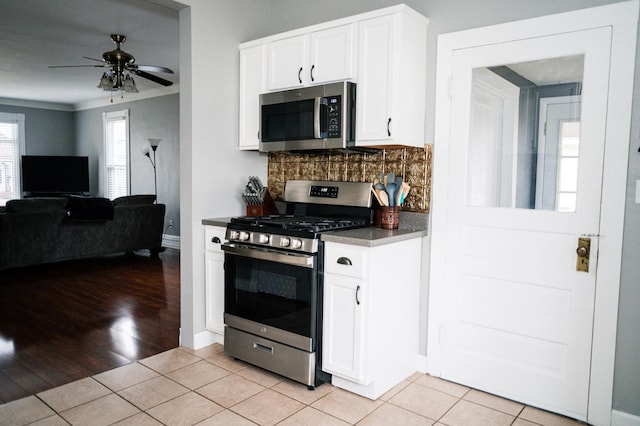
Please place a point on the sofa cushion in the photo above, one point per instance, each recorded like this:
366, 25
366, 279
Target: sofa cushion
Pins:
37, 204
89, 209
134, 200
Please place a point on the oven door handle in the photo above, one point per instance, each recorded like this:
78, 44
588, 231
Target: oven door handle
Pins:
294, 259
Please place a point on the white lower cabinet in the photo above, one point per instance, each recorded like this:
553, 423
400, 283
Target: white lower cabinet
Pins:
214, 278
370, 315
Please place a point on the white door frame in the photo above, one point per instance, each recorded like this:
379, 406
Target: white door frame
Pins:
623, 20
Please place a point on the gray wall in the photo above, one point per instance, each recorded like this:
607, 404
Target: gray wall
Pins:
148, 118
447, 16
47, 131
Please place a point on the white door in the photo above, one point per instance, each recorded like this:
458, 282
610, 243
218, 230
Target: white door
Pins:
517, 316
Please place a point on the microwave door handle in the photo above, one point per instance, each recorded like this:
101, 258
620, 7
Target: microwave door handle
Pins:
320, 118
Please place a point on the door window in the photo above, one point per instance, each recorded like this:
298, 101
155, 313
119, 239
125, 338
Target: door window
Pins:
523, 148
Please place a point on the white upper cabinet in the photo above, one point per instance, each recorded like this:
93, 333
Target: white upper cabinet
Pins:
314, 58
286, 62
384, 52
392, 71
252, 83
332, 54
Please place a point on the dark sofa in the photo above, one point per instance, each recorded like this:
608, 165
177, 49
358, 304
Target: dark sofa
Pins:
52, 229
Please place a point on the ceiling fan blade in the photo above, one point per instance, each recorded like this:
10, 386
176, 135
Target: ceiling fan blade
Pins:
153, 68
152, 77
78, 66
93, 59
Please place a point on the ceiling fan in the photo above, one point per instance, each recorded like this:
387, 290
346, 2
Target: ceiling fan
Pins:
121, 62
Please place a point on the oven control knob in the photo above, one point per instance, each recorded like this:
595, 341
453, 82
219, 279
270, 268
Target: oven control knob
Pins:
234, 235
285, 241
263, 239
244, 236
296, 244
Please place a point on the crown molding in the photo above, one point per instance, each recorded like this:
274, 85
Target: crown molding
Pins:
36, 104
123, 97
95, 103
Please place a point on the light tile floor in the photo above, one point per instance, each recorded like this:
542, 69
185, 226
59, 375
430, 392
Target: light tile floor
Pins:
206, 387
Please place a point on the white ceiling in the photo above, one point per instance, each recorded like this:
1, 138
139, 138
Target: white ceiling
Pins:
37, 33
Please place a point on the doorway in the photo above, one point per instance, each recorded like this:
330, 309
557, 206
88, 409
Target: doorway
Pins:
509, 313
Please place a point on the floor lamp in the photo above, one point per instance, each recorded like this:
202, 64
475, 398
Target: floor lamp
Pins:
153, 143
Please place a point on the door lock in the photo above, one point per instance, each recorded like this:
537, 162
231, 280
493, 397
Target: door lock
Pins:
583, 251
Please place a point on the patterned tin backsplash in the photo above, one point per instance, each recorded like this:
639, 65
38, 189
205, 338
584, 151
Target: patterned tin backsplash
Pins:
413, 164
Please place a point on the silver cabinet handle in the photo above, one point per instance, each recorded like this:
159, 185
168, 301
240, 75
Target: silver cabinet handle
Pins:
300, 75
389, 127
216, 240
344, 261
357, 293
312, 68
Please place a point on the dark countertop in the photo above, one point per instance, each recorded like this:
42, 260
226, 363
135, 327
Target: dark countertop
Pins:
367, 237
372, 236
217, 221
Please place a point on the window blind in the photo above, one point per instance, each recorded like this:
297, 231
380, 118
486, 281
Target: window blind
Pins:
11, 126
116, 154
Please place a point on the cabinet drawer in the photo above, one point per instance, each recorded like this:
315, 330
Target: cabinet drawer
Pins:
345, 260
213, 238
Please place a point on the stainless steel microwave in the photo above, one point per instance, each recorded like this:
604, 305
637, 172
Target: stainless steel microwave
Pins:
309, 118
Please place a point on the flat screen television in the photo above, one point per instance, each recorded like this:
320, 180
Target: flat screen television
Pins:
50, 174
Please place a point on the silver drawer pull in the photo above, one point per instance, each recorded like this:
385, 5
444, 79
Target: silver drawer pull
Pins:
357, 294
264, 348
344, 261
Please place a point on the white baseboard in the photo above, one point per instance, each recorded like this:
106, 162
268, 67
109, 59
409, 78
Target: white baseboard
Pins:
171, 241
421, 363
619, 418
206, 338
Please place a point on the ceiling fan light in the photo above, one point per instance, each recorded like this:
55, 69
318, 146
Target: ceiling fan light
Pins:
130, 85
105, 83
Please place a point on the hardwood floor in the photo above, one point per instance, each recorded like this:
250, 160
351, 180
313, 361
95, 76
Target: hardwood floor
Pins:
66, 321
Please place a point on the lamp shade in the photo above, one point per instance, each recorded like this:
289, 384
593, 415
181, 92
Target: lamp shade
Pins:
154, 143
105, 83
129, 85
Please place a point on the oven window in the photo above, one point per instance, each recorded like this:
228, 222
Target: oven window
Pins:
271, 293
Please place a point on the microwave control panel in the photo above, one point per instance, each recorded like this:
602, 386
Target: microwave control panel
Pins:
334, 116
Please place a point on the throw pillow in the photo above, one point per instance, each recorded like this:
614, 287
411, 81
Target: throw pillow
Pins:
37, 204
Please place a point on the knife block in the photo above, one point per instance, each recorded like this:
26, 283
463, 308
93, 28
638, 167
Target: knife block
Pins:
267, 207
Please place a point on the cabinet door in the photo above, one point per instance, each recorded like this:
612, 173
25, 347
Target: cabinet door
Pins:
214, 279
343, 324
376, 80
332, 55
286, 61
252, 82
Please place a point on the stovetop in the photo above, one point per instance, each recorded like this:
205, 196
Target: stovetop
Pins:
312, 224
312, 207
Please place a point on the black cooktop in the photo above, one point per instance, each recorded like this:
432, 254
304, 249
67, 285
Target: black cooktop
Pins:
299, 223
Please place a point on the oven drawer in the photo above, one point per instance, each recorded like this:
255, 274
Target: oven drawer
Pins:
213, 238
344, 259
281, 359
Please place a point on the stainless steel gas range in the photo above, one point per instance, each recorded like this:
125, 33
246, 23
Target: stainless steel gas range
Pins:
274, 277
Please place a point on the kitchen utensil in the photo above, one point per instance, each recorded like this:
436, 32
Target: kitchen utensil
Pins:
375, 193
398, 190
384, 198
379, 186
391, 192
405, 192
